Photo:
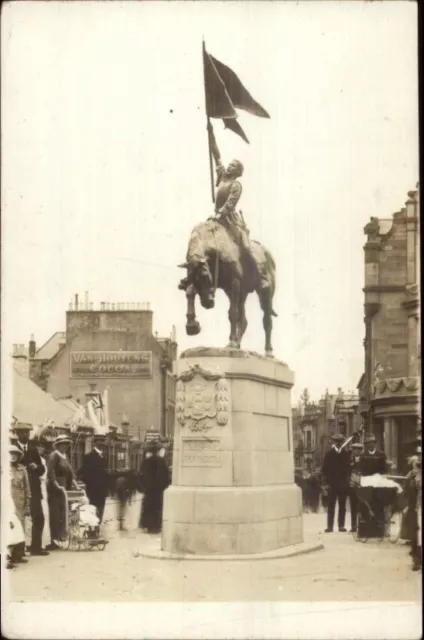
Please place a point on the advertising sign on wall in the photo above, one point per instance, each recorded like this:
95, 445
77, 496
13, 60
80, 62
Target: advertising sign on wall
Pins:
111, 364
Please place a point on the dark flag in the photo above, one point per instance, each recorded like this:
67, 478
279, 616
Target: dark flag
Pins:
225, 92
231, 123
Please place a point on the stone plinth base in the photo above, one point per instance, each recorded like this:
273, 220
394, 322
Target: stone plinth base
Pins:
220, 520
278, 554
233, 490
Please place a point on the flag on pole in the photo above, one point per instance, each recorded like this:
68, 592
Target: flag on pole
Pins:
225, 93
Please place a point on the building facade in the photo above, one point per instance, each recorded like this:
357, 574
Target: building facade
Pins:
389, 388
314, 424
111, 348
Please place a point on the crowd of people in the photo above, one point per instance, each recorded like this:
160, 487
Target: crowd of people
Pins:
39, 479
336, 483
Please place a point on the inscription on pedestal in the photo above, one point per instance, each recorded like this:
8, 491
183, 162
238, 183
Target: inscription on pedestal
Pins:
201, 453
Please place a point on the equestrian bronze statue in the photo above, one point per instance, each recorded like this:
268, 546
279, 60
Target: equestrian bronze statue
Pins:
220, 255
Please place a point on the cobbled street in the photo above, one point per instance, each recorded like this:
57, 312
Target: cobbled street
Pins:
345, 570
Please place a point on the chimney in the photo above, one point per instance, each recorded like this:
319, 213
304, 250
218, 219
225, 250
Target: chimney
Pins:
102, 306
86, 300
76, 302
174, 333
32, 347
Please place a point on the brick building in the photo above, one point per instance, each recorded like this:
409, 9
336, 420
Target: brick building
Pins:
389, 387
111, 348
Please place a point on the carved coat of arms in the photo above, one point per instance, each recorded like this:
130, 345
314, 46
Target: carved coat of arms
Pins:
203, 399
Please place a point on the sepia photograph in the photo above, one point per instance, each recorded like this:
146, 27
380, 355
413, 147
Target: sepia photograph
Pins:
210, 294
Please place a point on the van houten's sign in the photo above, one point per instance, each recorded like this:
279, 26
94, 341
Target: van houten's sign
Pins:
111, 364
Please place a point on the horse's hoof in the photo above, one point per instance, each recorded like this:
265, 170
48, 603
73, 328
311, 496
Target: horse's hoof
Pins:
232, 345
193, 329
269, 354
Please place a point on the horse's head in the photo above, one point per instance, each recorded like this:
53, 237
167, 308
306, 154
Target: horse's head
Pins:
200, 277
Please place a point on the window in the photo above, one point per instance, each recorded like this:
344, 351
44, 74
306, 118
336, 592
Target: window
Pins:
308, 440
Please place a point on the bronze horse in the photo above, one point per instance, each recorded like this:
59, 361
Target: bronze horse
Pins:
215, 261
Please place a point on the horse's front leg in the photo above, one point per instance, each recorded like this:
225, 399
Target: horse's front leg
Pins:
192, 326
234, 314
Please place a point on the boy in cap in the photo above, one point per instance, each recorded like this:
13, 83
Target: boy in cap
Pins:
20, 494
336, 472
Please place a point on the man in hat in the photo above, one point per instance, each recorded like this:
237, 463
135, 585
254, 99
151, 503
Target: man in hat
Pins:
373, 460
413, 511
336, 472
35, 469
94, 474
355, 463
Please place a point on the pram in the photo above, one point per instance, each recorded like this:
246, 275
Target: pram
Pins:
386, 523
81, 527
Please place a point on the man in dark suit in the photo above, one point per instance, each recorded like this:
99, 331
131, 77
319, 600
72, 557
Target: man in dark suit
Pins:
372, 460
95, 476
336, 472
35, 469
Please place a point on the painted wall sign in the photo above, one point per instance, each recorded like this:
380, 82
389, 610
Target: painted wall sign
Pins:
151, 436
111, 364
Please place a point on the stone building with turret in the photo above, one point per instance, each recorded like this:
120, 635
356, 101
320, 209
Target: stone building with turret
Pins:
389, 388
112, 347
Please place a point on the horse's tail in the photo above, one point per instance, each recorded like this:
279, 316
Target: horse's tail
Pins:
271, 268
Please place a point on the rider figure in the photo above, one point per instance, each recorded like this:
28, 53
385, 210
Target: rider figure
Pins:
227, 196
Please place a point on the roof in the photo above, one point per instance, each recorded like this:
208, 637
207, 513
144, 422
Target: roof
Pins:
51, 347
32, 405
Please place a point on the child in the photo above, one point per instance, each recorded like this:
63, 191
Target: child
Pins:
19, 508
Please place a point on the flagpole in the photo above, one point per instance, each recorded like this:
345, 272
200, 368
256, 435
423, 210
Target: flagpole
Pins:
208, 127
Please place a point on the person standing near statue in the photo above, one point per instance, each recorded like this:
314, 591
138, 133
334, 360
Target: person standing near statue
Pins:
60, 478
355, 464
155, 479
20, 504
336, 472
372, 460
94, 474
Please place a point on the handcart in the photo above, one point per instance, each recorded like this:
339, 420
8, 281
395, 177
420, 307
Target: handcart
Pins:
379, 514
77, 534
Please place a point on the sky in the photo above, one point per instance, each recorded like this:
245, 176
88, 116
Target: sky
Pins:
105, 167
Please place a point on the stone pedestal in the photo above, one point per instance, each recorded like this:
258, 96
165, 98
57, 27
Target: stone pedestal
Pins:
233, 488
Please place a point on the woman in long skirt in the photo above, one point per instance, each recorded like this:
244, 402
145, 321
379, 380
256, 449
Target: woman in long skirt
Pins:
155, 479
60, 478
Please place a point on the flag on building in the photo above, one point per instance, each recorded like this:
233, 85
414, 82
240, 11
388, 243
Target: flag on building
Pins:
225, 93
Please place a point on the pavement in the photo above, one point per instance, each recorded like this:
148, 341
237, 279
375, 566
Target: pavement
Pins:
345, 570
